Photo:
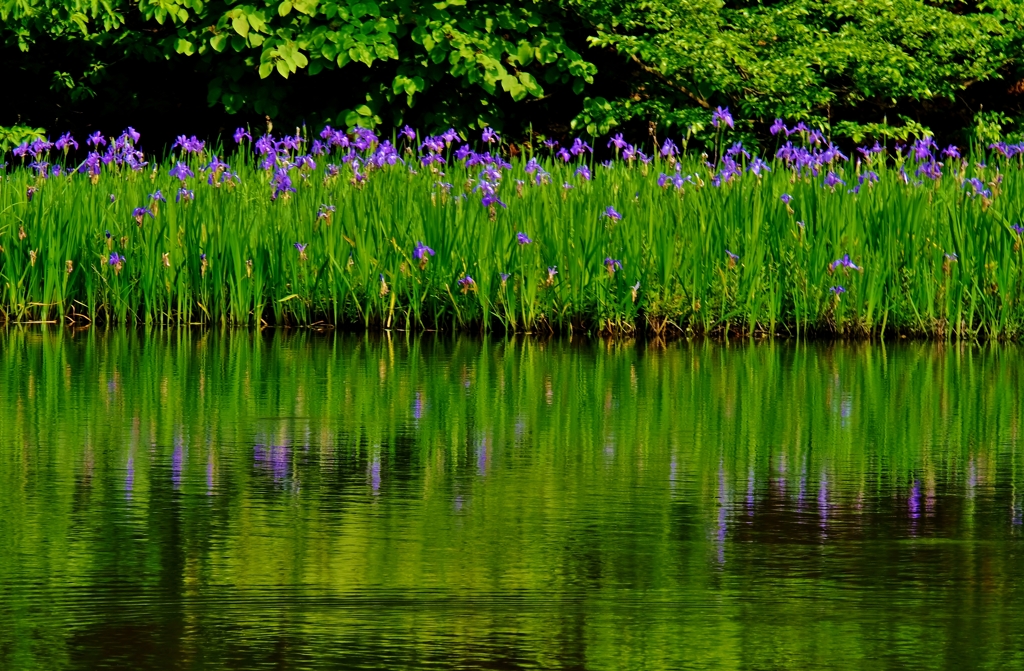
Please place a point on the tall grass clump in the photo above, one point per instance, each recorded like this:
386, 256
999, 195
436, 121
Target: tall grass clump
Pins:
413, 232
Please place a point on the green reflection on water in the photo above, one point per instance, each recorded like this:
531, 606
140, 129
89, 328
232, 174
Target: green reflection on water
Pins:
292, 501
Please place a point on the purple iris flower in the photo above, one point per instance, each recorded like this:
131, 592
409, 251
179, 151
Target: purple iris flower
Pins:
551, 144
242, 134
282, 184
96, 140
65, 142
868, 152
733, 258
408, 133
678, 180
489, 136
467, 283
786, 198
301, 246
184, 194
293, 143
491, 174
189, 145
39, 147
115, 259
432, 144
617, 141
158, 196
951, 152
140, 212
978, 186
181, 171
844, 262
612, 265
325, 211
931, 169
584, 172
871, 177
1018, 229
492, 199
264, 145
737, 149
923, 148
305, 162
579, 146
778, 127
430, 159
721, 116
422, 251
669, 148
611, 213
564, 155
523, 238
832, 180
837, 290
217, 165
757, 166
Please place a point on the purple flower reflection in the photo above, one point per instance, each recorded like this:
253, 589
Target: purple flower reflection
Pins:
723, 502
417, 406
823, 500
176, 462
720, 535
914, 503
129, 478
750, 491
273, 458
483, 457
375, 475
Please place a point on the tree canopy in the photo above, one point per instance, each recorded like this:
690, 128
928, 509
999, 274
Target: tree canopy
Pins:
855, 66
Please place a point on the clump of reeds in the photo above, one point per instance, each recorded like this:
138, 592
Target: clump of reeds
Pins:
441, 232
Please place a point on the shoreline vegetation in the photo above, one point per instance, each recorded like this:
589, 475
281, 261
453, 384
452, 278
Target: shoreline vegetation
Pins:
453, 232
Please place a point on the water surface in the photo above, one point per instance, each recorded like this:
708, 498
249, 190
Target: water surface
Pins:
293, 501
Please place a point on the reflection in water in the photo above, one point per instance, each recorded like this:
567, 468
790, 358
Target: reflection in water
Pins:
281, 501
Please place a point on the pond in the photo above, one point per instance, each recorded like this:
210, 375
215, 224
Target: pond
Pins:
237, 500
